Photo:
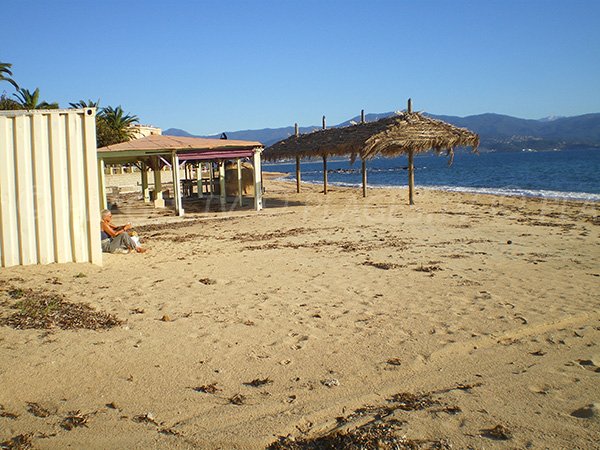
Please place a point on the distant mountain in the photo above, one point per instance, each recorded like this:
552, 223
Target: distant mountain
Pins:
177, 132
497, 132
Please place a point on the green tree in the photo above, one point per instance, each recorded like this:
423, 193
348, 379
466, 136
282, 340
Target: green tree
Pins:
85, 104
113, 126
31, 100
8, 103
6, 74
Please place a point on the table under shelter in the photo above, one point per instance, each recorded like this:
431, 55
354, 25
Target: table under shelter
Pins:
156, 151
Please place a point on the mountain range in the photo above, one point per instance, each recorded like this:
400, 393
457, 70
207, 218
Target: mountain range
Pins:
497, 131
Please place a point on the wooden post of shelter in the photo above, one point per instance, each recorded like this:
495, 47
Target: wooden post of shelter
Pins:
411, 166
324, 165
296, 133
222, 193
145, 191
159, 202
239, 180
176, 183
199, 179
363, 162
102, 183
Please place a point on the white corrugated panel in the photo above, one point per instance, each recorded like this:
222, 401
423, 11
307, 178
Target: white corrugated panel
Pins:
49, 201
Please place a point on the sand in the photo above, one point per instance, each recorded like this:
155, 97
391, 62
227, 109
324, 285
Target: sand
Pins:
241, 327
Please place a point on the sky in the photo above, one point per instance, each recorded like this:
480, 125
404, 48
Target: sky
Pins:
213, 66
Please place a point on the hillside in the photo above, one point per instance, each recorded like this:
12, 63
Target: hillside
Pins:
497, 131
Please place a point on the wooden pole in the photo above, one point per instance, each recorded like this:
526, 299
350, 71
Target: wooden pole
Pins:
411, 177
411, 167
222, 193
239, 180
325, 175
296, 133
324, 164
364, 163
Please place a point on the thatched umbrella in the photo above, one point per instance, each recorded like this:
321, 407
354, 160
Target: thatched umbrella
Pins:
404, 133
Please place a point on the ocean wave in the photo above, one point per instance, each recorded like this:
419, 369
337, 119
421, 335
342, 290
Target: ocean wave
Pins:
520, 192
507, 192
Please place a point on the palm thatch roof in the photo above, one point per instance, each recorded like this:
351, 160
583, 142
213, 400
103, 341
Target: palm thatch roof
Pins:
399, 134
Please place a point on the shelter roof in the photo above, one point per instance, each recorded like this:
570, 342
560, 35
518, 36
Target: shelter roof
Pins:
162, 143
392, 136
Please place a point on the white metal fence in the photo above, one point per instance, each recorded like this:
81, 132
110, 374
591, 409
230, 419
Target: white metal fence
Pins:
49, 205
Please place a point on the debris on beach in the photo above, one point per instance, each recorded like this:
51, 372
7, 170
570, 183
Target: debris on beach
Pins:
146, 418
20, 442
237, 399
207, 281
412, 402
394, 361
39, 309
370, 437
208, 388
499, 432
37, 410
383, 265
6, 414
332, 382
257, 382
428, 269
166, 318
74, 419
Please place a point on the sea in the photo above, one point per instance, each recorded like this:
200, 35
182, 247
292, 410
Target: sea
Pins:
555, 174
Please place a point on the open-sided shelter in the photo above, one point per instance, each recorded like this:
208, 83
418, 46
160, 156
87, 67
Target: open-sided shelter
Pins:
153, 151
404, 133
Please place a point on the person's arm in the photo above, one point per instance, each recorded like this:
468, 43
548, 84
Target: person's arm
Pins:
110, 230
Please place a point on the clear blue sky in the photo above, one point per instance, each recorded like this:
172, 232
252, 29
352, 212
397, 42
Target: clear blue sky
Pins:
211, 66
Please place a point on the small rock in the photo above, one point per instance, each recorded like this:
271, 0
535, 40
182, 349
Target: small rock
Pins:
332, 382
165, 318
509, 242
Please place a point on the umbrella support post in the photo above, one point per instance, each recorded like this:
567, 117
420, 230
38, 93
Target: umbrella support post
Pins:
411, 177
297, 174
325, 175
364, 177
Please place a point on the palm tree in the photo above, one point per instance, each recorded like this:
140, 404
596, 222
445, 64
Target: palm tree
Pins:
4, 71
113, 126
84, 104
29, 100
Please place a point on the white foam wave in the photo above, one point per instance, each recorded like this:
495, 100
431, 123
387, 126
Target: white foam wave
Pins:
509, 192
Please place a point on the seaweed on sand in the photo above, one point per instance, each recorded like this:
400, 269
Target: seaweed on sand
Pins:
39, 309
371, 437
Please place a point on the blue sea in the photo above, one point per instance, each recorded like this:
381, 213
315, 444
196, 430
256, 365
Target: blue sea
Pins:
559, 174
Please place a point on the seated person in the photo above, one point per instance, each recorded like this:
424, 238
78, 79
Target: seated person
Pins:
115, 239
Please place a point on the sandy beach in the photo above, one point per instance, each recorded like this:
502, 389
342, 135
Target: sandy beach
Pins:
469, 321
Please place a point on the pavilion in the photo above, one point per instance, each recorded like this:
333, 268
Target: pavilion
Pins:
153, 152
